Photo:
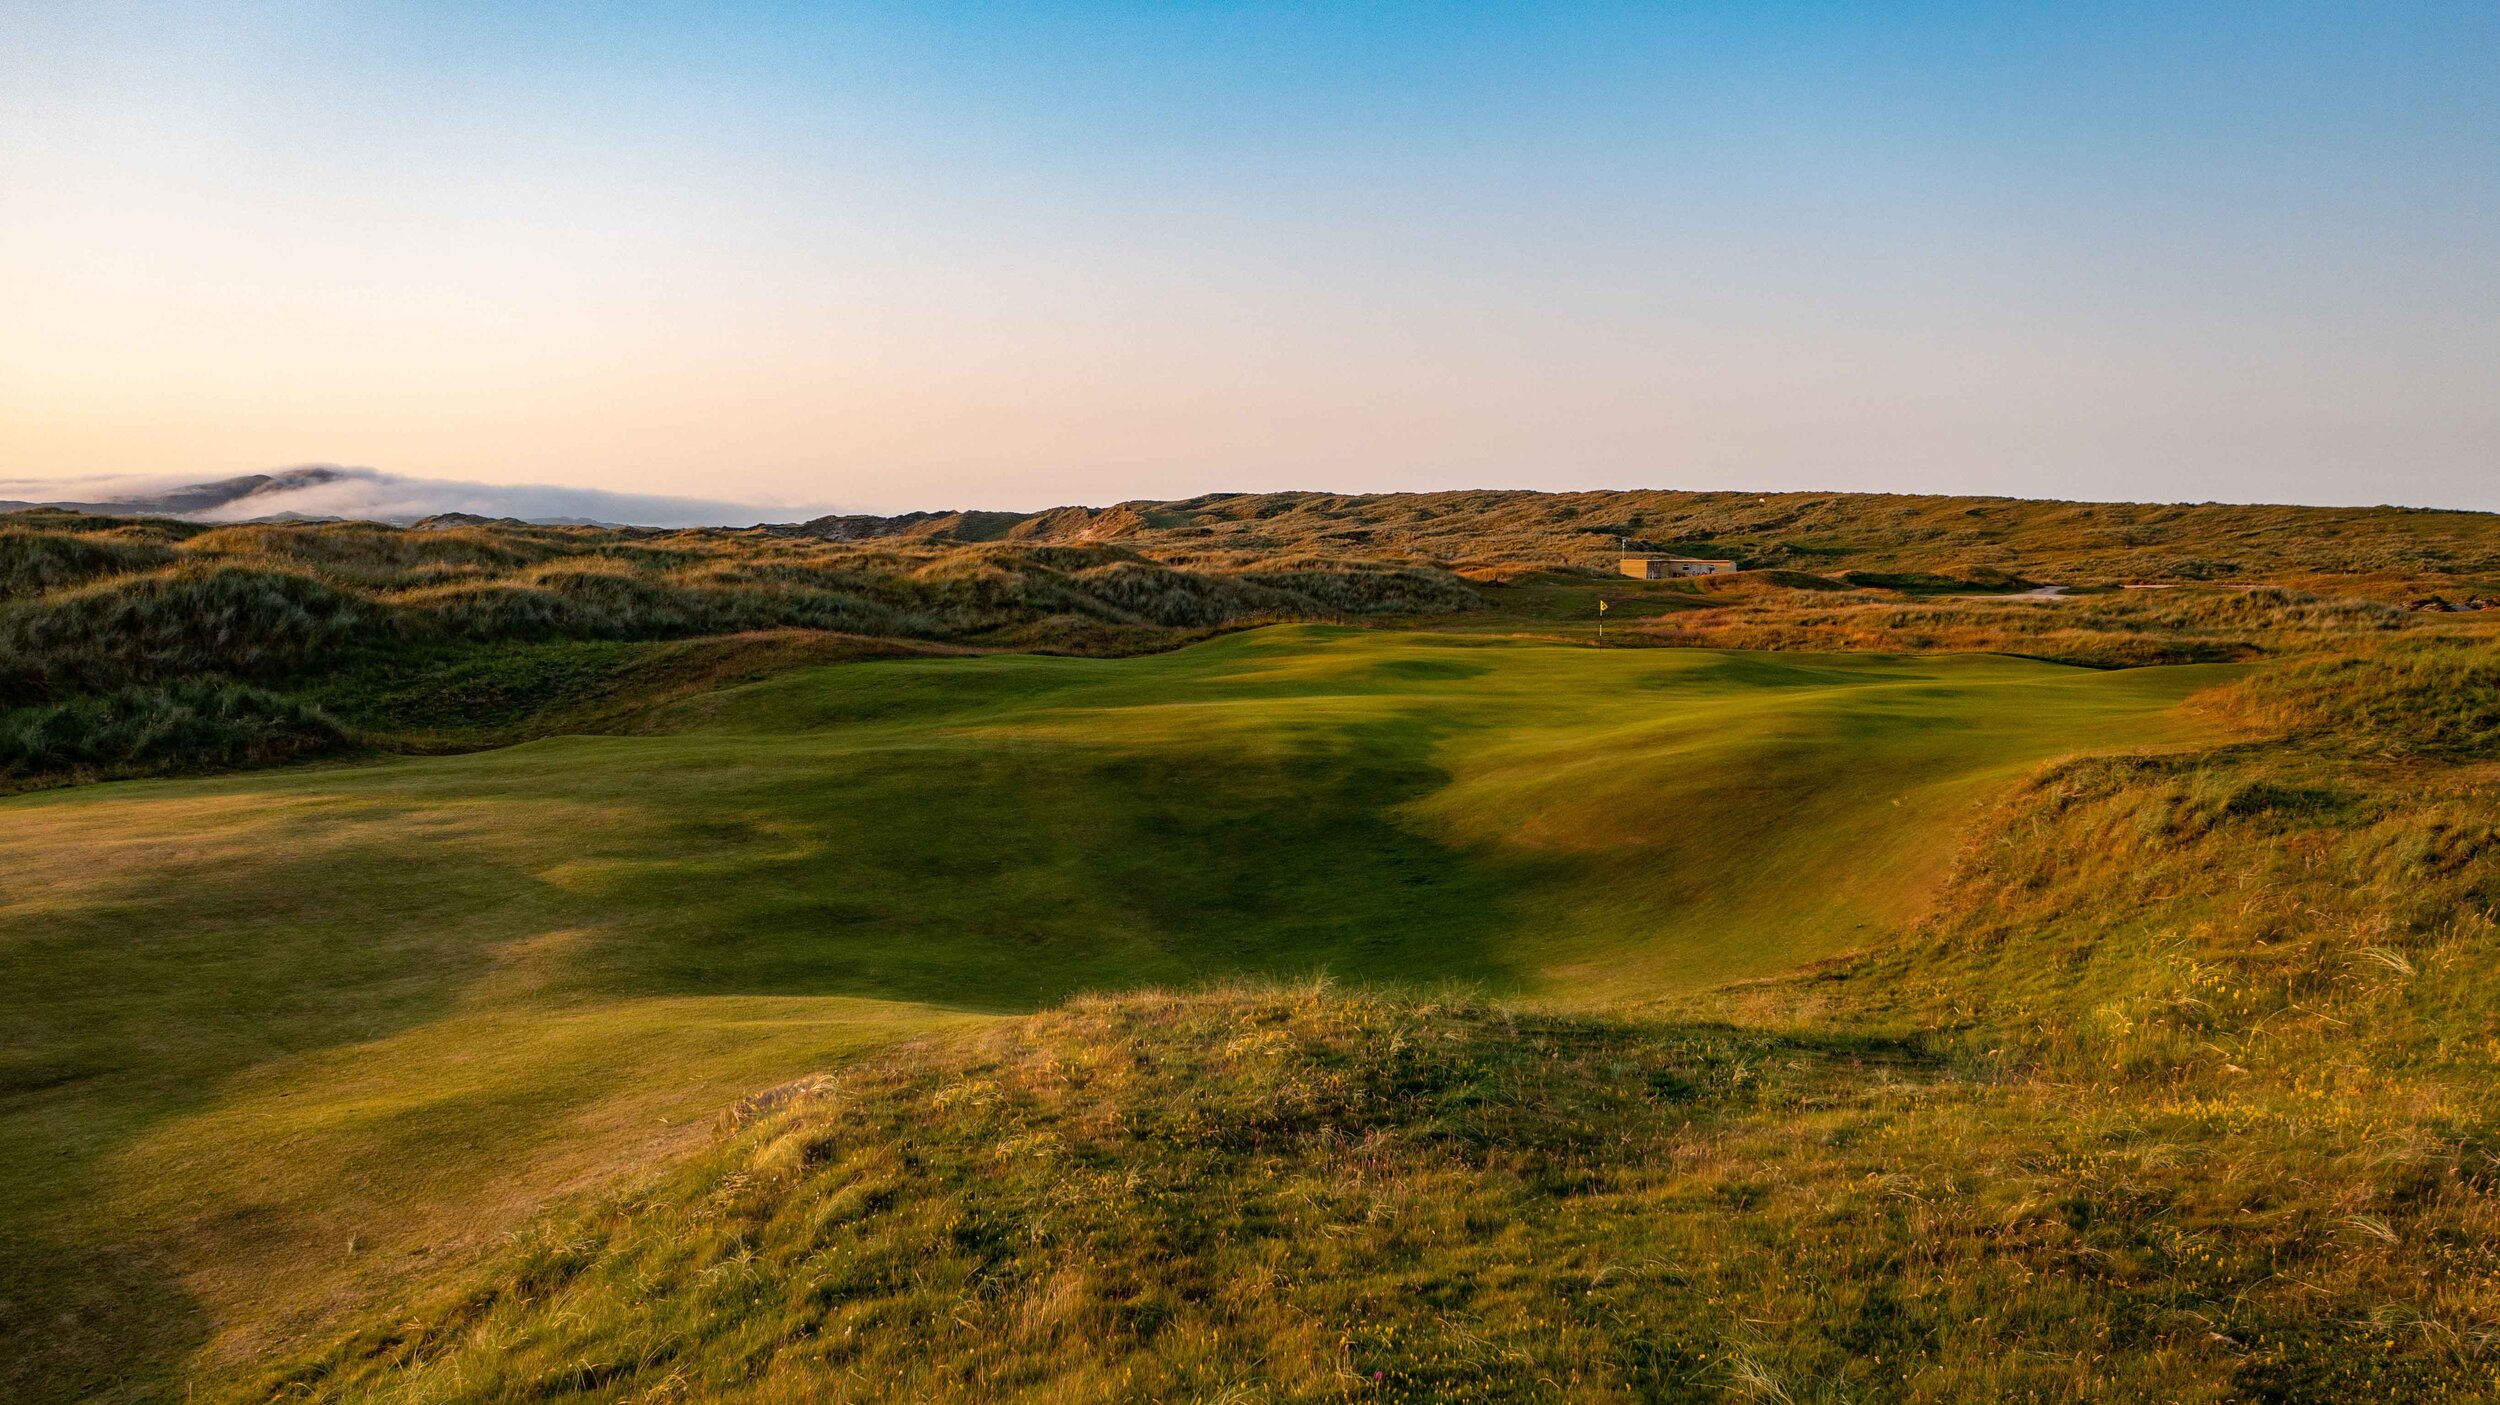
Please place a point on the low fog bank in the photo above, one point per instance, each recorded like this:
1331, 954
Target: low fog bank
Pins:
327, 490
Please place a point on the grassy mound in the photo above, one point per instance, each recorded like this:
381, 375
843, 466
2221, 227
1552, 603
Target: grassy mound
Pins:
1307, 1195
188, 621
601, 600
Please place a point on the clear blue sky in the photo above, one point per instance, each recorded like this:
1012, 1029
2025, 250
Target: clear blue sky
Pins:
1017, 255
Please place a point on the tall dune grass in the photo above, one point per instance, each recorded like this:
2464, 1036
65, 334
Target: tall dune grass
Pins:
2422, 698
34, 562
191, 724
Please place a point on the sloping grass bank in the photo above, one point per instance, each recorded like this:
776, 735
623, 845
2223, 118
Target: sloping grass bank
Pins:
1315, 1195
1296, 1194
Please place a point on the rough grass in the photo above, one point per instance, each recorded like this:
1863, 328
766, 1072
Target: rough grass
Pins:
189, 620
2113, 629
1300, 1194
33, 562
1782, 610
2426, 698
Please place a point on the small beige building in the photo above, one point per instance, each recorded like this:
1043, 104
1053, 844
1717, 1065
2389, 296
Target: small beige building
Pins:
1648, 567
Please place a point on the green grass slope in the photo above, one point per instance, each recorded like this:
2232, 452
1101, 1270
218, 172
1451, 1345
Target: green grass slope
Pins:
2186, 1089
281, 1042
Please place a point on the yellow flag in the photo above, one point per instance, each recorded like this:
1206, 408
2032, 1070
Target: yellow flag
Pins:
1601, 607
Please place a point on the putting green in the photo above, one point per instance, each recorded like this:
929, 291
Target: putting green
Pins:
275, 1037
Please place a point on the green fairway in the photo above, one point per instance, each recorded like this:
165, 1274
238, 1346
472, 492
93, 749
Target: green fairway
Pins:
274, 1039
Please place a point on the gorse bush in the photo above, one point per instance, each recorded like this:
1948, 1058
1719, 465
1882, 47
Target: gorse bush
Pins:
184, 725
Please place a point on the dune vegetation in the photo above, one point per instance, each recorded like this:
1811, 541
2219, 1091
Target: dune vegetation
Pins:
1880, 539
1022, 977
97, 608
